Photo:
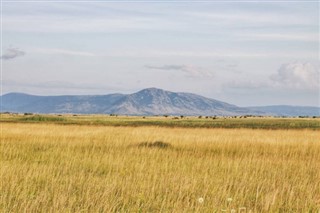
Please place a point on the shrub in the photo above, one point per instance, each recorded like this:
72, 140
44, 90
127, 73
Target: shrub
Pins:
156, 144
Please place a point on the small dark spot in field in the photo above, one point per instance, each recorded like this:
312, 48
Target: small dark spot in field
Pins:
156, 144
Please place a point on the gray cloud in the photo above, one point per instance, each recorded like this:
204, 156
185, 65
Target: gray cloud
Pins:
245, 85
60, 87
227, 65
62, 52
293, 76
166, 67
232, 65
188, 70
11, 53
297, 75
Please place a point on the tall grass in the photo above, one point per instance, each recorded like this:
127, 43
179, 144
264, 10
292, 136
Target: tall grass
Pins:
58, 168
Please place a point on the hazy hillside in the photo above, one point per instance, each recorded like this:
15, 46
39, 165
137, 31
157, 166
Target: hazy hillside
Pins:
285, 110
17, 102
151, 101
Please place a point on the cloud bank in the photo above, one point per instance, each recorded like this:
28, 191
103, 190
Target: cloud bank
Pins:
188, 70
62, 52
294, 77
297, 75
11, 53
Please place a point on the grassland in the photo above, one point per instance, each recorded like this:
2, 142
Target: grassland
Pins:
170, 121
47, 166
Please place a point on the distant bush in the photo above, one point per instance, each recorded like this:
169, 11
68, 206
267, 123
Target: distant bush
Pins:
28, 113
200, 116
156, 144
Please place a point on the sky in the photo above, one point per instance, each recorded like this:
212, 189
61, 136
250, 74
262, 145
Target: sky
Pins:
248, 53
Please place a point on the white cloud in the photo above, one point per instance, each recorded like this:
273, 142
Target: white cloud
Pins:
60, 88
11, 53
188, 70
62, 52
78, 24
245, 85
309, 37
294, 77
297, 75
252, 18
218, 53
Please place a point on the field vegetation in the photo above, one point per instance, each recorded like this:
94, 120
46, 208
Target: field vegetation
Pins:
50, 166
171, 121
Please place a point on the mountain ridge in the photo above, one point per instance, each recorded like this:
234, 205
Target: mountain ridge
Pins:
149, 101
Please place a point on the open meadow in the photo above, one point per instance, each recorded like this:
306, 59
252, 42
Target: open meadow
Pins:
109, 164
159, 106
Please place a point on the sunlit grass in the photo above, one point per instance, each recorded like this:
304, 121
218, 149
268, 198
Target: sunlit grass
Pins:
72, 168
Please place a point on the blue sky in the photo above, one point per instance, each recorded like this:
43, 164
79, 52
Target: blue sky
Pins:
245, 53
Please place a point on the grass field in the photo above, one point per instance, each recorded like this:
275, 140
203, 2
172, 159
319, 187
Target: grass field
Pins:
170, 121
47, 166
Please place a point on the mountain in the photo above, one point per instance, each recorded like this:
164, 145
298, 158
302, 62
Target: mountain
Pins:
151, 101
285, 110
154, 101
86, 104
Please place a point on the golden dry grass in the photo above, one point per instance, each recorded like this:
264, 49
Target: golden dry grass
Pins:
56, 168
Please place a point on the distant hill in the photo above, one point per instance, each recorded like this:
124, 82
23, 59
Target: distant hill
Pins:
285, 110
154, 101
151, 101
86, 104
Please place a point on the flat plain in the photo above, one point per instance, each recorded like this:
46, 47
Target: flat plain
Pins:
99, 163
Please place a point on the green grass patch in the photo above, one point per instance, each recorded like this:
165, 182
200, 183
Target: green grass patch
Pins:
42, 118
